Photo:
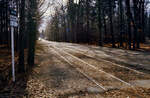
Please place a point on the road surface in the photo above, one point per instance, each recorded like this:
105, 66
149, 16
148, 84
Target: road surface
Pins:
66, 70
73, 70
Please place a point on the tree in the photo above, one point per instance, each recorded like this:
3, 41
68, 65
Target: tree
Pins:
21, 67
111, 23
129, 22
143, 20
87, 20
121, 22
71, 14
116, 21
100, 23
32, 30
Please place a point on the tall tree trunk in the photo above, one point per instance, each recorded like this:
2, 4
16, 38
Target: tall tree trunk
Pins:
135, 41
78, 21
65, 25
65, 29
99, 22
105, 26
87, 20
32, 27
111, 24
139, 24
21, 37
129, 22
82, 33
121, 22
70, 10
143, 21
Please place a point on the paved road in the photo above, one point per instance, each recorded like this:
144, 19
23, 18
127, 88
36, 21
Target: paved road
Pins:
65, 70
72, 70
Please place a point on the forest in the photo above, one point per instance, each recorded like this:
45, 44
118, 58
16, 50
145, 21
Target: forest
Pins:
48, 46
119, 23
27, 16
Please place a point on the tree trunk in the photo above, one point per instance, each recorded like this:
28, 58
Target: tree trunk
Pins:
143, 21
87, 21
21, 37
105, 26
135, 24
129, 22
111, 24
121, 22
32, 27
99, 23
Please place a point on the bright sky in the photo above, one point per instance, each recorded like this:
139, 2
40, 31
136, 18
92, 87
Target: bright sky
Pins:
53, 4
51, 10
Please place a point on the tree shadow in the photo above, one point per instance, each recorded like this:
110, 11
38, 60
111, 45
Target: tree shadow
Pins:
128, 55
77, 93
58, 76
17, 89
102, 94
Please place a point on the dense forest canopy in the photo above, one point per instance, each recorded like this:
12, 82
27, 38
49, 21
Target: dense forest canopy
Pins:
122, 23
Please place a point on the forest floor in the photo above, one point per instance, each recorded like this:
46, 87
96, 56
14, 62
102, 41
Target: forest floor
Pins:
66, 70
5, 65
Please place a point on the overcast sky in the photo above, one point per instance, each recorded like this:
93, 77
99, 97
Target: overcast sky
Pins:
50, 10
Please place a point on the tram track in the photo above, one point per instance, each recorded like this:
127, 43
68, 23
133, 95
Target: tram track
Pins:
137, 67
100, 84
104, 60
139, 72
104, 81
84, 74
121, 72
95, 68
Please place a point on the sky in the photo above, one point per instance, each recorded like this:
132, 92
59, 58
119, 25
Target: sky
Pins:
50, 11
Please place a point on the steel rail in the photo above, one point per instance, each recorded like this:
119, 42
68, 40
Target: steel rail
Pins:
139, 72
84, 74
93, 66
